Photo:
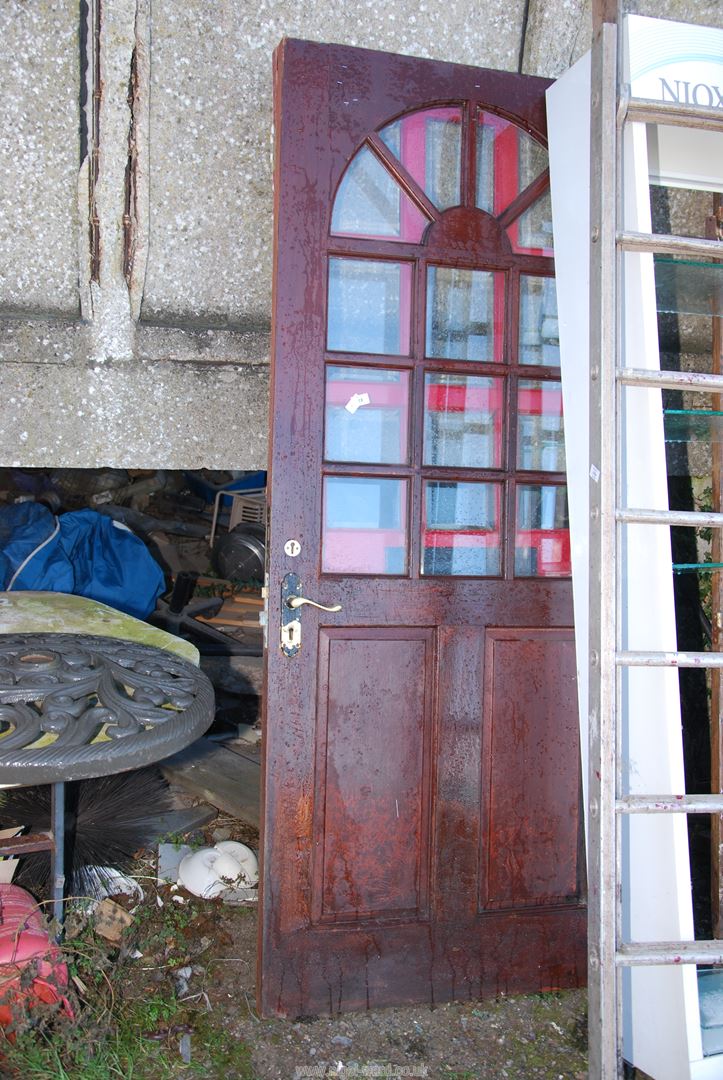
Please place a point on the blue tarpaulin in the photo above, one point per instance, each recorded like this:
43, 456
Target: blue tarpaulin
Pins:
80, 552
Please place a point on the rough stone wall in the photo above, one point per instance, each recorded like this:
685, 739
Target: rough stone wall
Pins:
136, 212
558, 31
39, 160
210, 128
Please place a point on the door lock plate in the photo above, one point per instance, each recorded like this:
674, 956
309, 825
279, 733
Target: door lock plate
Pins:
290, 621
291, 638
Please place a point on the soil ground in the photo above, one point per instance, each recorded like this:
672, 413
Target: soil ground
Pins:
184, 979
517, 1038
512, 1038
176, 998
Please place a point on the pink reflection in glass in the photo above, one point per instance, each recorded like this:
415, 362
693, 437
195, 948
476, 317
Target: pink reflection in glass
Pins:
542, 536
508, 160
540, 430
367, 415
531, 233
463, 420
461, 531
429, 145
365, 525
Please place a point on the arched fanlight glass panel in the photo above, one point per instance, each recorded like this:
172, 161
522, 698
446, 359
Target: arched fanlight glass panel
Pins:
443, 431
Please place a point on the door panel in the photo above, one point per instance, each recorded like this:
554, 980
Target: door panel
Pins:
530, 787
421, 771
371, 836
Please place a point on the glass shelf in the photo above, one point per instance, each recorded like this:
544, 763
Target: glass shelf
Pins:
696, 568
689, 288
685, 425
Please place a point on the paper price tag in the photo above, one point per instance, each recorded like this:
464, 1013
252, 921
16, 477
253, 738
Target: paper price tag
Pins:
356, 401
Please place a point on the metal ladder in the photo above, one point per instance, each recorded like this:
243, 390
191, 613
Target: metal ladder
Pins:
611, 108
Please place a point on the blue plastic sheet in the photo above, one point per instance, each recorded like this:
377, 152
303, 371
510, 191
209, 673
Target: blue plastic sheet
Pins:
80, 552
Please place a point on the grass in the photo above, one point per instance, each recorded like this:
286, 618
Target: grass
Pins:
120, 1027
137, 1013
139, 1043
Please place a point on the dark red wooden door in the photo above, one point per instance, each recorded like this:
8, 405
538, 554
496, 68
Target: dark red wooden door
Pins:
421, 824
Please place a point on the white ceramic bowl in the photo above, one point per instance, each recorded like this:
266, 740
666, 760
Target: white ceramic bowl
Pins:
226, 869
245, 857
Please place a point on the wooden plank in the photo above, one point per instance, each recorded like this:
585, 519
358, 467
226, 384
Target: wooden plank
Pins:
237, 674
205, 582
180, 822
224, 779
23, 845
250, 751
230, 619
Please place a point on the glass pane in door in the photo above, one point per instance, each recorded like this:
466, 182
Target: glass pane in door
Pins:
531, 233
542, 537
428, 143
532, 159
464, 313
486, 164
508, 160
370, 203
539, 332
540, 432
367, 411
463, 420
364, 525
461, 528
369, 306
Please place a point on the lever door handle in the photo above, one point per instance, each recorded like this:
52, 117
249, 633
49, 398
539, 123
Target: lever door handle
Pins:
298, 601
292, 599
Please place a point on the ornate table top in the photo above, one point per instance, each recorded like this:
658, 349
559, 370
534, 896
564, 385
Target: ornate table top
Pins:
75, 705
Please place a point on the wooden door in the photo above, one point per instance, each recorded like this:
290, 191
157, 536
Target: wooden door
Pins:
421, 821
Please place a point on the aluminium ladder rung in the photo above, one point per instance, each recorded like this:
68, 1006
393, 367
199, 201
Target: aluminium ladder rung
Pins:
700, 381
665, 244
669, 952
638, 658
671, 114
698, 519
669, 804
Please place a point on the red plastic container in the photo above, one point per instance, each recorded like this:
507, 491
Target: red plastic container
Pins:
24, 939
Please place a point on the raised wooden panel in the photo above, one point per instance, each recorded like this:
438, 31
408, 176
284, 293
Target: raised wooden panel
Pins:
371, 812
530, 770
459, 750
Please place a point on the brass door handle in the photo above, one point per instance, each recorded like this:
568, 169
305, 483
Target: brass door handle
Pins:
292, 599
298, 601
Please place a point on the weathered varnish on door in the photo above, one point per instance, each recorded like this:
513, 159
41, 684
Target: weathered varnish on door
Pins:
421, 820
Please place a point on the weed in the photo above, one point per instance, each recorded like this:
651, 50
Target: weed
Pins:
125, 1026
179, 840
139, 1040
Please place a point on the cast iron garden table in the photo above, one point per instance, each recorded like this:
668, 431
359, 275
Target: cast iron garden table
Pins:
74, 706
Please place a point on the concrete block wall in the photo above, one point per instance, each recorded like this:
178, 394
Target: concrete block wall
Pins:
136, 206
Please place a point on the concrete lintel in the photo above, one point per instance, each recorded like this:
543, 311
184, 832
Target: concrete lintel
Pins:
29, 340
158, 415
